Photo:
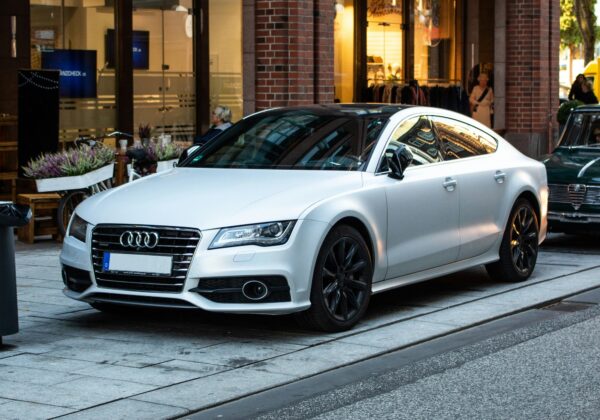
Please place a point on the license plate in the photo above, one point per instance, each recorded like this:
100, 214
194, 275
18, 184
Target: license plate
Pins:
134, 263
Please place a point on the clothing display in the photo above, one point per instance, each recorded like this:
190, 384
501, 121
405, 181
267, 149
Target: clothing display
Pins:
451, 97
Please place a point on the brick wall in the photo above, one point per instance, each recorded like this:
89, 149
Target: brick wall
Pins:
294, 52
532, 44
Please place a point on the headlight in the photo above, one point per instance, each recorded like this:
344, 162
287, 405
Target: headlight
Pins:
263, 234
78, 228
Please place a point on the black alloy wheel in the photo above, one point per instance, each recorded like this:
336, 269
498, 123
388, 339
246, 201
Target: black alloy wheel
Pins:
341, 287
519, 248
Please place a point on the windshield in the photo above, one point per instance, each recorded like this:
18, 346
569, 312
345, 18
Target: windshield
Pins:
293, 139
583, 130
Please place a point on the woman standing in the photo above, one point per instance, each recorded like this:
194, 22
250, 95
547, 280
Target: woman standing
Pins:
482, 101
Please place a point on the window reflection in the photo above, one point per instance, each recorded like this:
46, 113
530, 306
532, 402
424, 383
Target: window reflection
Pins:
461, 140
416, 133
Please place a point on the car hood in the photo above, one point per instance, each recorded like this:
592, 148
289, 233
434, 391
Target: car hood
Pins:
213, 198
566, 166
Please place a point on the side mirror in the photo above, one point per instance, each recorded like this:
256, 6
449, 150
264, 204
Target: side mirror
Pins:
186, 153
399, 161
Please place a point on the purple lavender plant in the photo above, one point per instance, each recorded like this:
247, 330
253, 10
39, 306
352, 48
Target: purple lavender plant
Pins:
71, 162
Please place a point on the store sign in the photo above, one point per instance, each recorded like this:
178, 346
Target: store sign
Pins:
77, 71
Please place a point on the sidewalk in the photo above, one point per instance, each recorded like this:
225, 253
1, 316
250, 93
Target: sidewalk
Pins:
72, 360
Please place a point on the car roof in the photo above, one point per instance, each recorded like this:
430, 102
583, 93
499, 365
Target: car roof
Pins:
357, 109
587, 108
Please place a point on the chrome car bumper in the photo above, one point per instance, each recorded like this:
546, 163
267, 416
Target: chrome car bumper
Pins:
573, 217
293, 261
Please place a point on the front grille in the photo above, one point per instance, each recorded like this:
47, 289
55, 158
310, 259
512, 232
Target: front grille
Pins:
574, 194
180, 243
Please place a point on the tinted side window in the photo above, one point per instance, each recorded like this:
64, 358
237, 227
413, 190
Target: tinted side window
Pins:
416, 133
583, 129
460, 140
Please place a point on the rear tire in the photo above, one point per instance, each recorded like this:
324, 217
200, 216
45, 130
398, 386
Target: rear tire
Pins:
341, 285
519, 247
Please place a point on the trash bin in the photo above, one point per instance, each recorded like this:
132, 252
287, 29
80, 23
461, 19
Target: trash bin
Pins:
11, 215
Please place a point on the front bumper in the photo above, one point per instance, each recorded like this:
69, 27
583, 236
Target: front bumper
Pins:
573, 217
294, 261
559, 221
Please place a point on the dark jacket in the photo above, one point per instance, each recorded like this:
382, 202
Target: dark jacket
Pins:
211, 133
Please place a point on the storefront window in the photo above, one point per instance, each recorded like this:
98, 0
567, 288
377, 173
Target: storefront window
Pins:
225, 51
344, 51
72, 39
163, 68
384, 40
435, 41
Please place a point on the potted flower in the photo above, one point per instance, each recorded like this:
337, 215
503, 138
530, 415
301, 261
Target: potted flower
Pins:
144, 131
166, 154
71, 169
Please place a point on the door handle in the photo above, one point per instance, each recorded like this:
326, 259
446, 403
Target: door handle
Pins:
500, 177
450, 184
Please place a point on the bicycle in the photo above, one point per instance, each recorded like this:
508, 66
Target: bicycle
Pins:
70, 199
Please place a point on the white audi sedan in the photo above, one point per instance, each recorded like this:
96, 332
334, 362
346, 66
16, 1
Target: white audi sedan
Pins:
311, 210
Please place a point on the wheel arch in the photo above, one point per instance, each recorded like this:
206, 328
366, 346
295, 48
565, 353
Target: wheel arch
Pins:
533, 200
359, 225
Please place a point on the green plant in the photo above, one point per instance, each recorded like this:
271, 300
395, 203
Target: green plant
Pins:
565, 110
159, 152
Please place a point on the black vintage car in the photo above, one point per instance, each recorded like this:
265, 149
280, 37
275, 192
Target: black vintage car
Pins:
574, 174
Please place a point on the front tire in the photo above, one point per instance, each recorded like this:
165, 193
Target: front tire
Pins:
341, 285
519, 247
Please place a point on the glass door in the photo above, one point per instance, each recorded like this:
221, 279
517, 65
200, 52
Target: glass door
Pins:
163, 68
385, 55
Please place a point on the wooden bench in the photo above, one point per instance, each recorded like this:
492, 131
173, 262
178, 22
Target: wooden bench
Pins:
43, 216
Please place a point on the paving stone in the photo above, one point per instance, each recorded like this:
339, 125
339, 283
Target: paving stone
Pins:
43, 309
167, 373
41, 273
38, 259
79, 393
317, 359
236, 353
128, 409
400, 334
206, 391
45, 362
471, 313
33, 376
563, 258
46, 295
19, 410
26, 282
124, 353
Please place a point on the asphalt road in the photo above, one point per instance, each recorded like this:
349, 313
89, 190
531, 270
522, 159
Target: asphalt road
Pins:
539, 364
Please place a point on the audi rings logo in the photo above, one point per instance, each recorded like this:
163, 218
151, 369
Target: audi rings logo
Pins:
136, 239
